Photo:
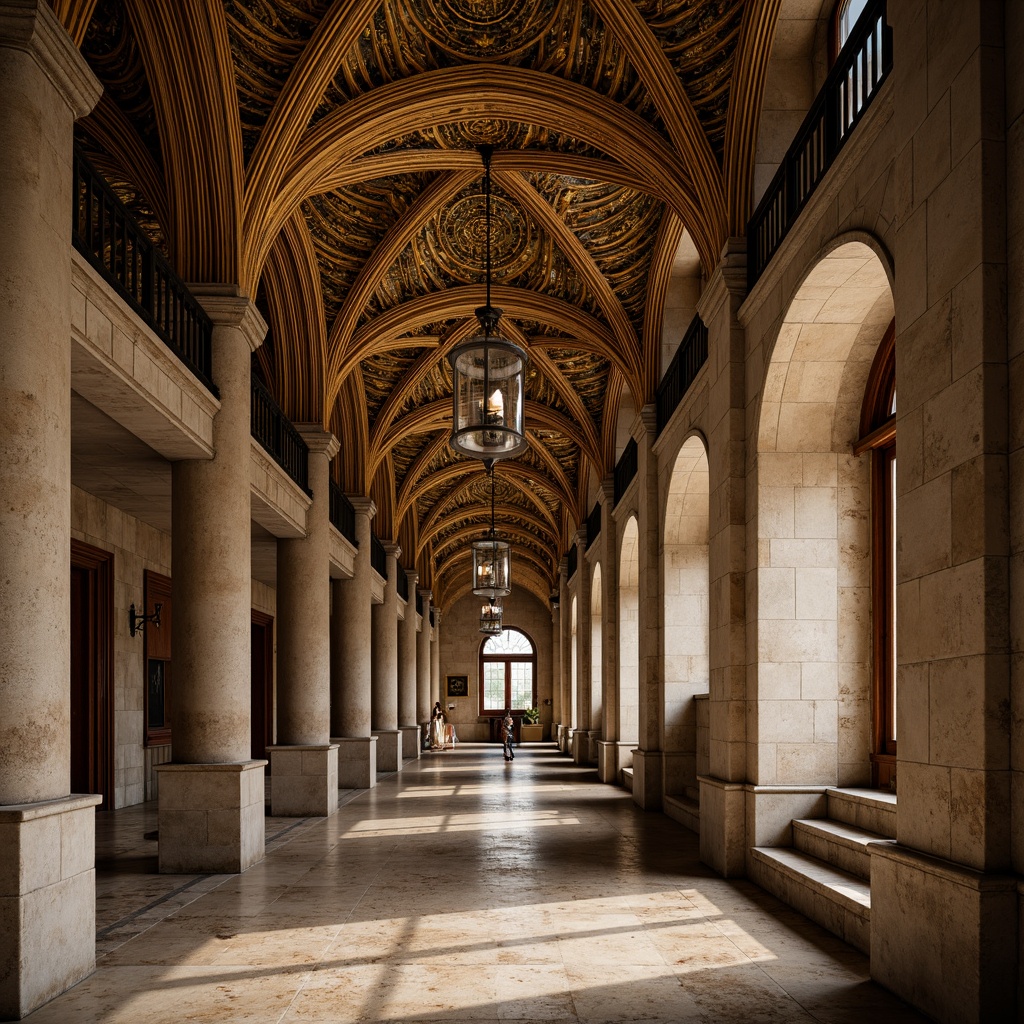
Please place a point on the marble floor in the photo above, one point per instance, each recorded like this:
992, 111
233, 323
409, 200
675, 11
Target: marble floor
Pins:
460, 889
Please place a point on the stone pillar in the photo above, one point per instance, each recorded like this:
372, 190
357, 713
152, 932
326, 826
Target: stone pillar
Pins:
609, 760
211, 795
565, 633
423, 701
947, 890
47, 845
304, 763
384, 669
647, 759
435, 659
556, 665
581, 585
351, 660
407, 721
723, 839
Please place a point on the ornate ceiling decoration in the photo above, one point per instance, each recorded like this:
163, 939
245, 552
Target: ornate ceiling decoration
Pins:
322, 154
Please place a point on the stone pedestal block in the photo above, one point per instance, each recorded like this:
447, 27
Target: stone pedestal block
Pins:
723, 843
412, 741
647, 767
305, 780
47, 900
562, 738
211, 817
389, 750
593, 745
770, 811
959, 925
357, 762
612, 757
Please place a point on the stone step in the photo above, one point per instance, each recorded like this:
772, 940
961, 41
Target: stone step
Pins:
873, 810
627, 778
835, 899
837, 843
684, 810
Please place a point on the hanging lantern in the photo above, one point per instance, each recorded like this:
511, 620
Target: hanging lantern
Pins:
492, 567
490, 618
488, 397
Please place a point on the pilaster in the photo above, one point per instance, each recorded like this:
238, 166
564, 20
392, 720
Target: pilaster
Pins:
384, 669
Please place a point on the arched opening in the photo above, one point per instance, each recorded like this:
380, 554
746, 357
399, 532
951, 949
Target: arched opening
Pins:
814, 635
574, 721
508, 673
629, 637
686, 599
596, 653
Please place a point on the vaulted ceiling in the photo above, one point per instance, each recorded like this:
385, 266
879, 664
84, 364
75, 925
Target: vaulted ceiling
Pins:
323, 155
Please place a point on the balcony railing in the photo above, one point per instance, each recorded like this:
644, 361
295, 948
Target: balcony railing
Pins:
625, 469
275, 433
862, 66
691, 355
571, 559
343, 515
108, 236
403, 584
594, 524
378, 556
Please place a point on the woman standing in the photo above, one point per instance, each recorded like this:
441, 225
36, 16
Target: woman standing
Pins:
438, 721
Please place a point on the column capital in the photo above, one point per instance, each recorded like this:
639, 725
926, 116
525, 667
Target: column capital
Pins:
227, 307
318, 440
363, 506
646, 424
579, 538
608, 492
393, 551
727, 280
32, 27
563, 568
426, 595
413, 577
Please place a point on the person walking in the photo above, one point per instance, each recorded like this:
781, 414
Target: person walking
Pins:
507, 731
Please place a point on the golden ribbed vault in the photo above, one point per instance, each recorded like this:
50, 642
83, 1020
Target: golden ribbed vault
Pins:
323, 156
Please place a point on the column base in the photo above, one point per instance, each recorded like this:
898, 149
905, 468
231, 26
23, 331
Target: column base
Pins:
412, 742
389, 750
612, 757
357, 761
723, 843
590, 745
562, 738
211, 817
943, 937
47, 900
304, 780
647, 779
579, 746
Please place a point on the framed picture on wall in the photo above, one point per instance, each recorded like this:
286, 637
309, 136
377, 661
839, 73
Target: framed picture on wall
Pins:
458, 686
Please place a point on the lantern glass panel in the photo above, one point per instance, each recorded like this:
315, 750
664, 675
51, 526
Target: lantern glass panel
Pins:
492, 568
490, 619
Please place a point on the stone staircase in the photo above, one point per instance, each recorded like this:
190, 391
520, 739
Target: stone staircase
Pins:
826, 873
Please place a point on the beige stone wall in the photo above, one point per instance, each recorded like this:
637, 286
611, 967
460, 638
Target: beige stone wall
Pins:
629, 636
136, 547
460, 655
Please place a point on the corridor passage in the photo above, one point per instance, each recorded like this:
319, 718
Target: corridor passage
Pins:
461, 889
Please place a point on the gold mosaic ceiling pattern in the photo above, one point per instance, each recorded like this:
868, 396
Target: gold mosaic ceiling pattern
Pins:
323, 154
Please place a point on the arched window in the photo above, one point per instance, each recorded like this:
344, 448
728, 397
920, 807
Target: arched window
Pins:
844, 17
878, 436
508, 673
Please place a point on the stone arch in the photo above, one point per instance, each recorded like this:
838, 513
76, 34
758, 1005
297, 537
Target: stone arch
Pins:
596, 653
574, 667
812, 524
686, 595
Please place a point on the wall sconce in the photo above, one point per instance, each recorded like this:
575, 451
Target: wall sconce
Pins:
137, 622
547, 703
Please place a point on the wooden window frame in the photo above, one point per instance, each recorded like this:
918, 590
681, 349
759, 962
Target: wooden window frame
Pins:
878, 438
508, 659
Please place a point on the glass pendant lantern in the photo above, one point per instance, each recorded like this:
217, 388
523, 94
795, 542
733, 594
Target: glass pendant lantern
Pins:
488, 396
490, 618
492, 560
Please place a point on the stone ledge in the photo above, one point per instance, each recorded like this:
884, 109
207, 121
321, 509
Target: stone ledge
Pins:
958, 874
12, 814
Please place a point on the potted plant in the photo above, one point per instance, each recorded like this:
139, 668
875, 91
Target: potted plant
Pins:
531, 731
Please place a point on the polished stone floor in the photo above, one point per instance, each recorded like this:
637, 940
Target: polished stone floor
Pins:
461, 889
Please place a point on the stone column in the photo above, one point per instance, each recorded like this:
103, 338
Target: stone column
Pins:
556, 666
407, 722
435, 659
565, 633
351, 658
384, 670
723, 839
423, 701
647, 759
948, 889
47, 845
304, 763
581, 585
609, 754
211, 795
